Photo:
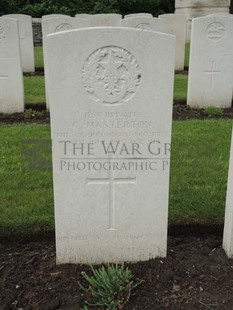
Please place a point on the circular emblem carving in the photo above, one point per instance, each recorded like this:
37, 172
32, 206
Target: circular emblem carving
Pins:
143, 26
2, 33
63, 27
216, 32
111, 75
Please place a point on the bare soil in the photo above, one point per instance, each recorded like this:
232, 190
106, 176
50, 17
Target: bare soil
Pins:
195, 275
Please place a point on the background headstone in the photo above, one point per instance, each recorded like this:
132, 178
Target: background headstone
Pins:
228, 227
58, 24
83, 15
139, 15
211, 66
176, 25
11, 76
54, 15
192, 8
105, 20
153, 24
26, 41
111, 205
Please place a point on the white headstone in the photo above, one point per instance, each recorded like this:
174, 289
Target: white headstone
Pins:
211, 65
58, 24
176, 25
83, 15
111, 130
105, 20
138, 15
26, 41
11, 76
153, 24
228, 227
196, 8
54, 15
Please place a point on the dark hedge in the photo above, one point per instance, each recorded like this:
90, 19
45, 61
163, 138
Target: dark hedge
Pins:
37, 8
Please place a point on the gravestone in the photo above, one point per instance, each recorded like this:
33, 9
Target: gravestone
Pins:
197, 8
54, 15
11, 77
105, 20
211, 66
153, 24
228, 226
176, 25
83, 15
58, 24
111, 130
26, 41
138, 15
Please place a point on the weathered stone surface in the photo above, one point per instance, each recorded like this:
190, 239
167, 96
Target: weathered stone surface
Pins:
139, 15
111, 112
202, 3
105, 20
58, 24
193, 8
11, 76
26, 41
153, 24
176, 25
211, 65
228, 226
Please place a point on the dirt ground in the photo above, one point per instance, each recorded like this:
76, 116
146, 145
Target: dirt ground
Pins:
195, 275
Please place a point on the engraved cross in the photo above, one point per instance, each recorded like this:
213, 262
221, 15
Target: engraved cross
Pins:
212, 72
111, 182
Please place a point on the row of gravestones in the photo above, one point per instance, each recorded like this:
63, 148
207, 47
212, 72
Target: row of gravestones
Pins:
111, 113
210, 74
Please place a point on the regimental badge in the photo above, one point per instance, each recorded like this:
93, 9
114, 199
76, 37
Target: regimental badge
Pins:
63, 27
111, 75
216, 32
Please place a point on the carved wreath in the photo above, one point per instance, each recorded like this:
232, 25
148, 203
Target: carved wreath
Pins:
111, 75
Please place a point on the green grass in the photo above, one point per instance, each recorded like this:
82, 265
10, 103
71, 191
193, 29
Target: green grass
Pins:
200, 151
34, 87
180, 87
187, 51
199, 166
26, 199
39, 62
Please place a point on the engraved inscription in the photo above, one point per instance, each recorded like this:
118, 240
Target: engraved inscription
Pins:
111, 75
144, 26
215, 32
212, 72
63, 27
2, 33
111, 181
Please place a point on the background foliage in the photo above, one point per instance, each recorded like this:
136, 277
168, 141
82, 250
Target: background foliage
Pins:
37, 8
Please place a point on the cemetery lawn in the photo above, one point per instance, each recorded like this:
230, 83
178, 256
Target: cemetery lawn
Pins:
34, 90
39, 62
199, 164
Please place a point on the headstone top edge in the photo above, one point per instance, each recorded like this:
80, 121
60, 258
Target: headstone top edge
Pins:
112, 29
